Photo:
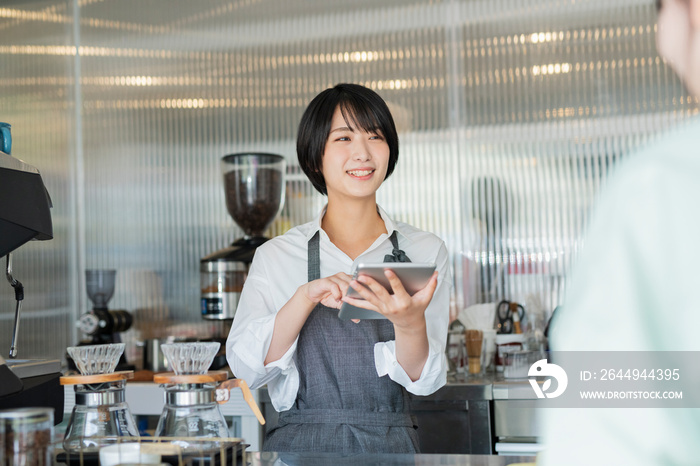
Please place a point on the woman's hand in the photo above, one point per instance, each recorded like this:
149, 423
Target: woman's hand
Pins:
328, 291
291, 318
406, 312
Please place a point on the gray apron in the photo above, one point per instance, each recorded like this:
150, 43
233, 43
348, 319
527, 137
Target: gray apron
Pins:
342, 406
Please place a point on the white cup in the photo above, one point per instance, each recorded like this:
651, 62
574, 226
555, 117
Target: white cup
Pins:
120, 453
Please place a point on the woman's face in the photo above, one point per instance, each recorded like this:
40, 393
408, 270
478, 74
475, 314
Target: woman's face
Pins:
354, 162
678, 39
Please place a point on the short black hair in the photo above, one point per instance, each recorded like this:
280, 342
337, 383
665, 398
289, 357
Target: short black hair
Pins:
361, 107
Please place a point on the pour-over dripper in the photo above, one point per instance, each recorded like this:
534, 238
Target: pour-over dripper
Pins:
254, 187
190, 358
100, 286
96, 359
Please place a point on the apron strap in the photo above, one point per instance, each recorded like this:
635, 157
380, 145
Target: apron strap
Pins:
397, 255
314, 257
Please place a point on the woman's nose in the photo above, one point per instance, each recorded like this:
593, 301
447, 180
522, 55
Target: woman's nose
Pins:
361, 152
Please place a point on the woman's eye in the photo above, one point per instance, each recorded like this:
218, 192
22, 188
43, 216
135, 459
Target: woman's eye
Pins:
377, 137
343, 138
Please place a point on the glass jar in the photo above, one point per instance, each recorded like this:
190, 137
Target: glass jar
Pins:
191, 411
28, 436
100, 417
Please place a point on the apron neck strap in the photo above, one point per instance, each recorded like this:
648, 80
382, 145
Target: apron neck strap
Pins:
397, 255
314, 254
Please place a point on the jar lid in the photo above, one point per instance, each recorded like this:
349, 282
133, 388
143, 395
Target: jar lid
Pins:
27, 414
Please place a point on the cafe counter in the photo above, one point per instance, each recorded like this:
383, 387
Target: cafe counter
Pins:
311, 459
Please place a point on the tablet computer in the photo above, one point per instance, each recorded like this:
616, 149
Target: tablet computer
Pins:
413, 275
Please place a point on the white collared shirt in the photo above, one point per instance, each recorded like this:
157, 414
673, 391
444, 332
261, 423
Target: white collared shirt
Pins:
279, 268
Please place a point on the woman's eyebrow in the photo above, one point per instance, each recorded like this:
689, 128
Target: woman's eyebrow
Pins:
342, 128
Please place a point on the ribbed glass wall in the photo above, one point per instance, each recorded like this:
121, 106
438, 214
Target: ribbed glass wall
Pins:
511, 114
37, 97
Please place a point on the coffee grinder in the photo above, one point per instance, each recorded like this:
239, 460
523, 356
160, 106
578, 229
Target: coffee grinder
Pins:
254, 188
103, 325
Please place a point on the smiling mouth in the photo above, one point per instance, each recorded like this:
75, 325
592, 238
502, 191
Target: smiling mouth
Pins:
360, 173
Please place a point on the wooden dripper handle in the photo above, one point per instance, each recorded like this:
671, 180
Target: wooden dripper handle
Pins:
247, 396
513, 309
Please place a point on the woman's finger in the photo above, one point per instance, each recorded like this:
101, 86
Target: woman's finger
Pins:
374, 286
396, 285
357, 302
336, 292
429, 289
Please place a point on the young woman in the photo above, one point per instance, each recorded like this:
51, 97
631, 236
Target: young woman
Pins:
341, 386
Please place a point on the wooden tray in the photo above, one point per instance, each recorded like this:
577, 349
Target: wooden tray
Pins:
171, 377
97, 378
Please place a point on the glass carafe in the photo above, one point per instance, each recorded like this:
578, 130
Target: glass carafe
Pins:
99, 418
192, 411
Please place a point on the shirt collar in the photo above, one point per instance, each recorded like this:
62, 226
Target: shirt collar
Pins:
388, 222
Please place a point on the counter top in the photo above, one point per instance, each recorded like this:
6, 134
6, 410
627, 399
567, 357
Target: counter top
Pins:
324, 459
488, 386
465, 388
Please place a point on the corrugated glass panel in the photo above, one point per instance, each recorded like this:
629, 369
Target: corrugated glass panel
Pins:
512, 115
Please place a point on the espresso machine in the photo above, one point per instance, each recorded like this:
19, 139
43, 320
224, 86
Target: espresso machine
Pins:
24, 215
254, 185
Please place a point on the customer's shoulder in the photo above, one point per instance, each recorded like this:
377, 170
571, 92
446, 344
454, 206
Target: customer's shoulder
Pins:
671, 158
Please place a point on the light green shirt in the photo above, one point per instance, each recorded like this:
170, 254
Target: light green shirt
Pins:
636, 288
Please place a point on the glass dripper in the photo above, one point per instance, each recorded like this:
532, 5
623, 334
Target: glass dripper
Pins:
96, 359
190, 358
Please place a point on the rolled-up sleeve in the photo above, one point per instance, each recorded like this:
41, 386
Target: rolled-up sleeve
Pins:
437, 316
249, 341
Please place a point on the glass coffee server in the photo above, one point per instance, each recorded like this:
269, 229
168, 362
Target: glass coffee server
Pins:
101, 415
191, 417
